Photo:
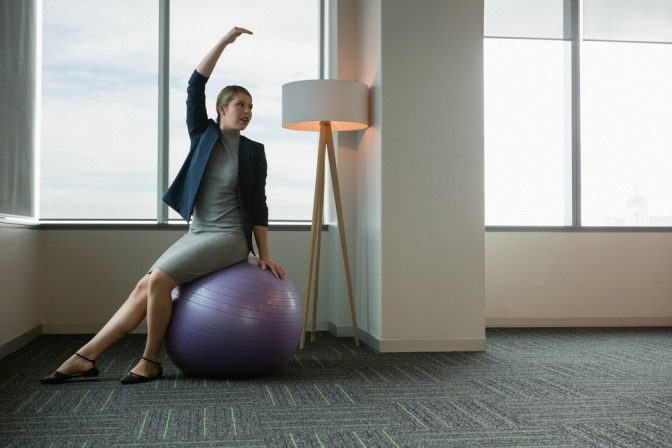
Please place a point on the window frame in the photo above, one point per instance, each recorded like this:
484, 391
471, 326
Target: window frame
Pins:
163, 221
573, 32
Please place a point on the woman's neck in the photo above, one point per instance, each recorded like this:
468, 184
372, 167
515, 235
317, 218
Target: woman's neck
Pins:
229, 131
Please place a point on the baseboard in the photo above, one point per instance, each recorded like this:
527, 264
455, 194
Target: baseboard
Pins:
369, 340
341, 331
423, 345
410, 345
540, 322
433, 345
19, 341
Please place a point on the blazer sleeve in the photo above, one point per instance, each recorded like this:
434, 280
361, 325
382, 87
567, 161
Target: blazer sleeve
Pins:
197, 115
181, 194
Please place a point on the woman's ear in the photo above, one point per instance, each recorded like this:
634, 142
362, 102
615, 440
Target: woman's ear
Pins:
221, 109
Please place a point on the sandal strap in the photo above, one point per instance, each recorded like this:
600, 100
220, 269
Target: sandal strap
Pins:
156, 363
92, 361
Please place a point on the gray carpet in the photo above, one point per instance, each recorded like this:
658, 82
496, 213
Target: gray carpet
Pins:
532, 388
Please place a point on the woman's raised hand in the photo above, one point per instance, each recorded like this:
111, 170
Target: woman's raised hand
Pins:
235, 32
208, 63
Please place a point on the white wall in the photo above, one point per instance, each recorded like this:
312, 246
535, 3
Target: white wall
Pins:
344, 39
89, 273
368, 195
532, 278
420, 235
20, 261
416, 286
432, 169
578, 279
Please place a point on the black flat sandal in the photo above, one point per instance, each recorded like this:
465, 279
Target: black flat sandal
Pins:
134, 378
58, 377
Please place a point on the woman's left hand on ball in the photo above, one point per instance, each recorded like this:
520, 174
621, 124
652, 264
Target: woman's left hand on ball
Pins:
273, 266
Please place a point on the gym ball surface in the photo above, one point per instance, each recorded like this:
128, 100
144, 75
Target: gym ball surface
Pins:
240, 321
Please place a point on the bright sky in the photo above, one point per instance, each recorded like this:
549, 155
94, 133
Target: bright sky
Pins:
626, 108
626, 139
99, 128
99, 98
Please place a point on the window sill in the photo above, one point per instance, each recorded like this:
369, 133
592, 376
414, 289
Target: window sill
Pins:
577, 229
151, 225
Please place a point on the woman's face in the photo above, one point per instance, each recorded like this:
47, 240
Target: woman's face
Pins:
237, 115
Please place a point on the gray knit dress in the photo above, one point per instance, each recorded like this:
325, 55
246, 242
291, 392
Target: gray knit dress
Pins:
216, 237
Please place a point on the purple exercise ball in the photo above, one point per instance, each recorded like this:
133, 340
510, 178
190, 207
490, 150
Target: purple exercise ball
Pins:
240, 321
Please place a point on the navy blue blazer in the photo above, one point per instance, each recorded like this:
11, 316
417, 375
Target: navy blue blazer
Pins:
252, 167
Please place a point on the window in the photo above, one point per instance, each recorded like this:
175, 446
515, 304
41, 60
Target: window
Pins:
100, 97
99, 108
526, 140
284, 48
626, 110
527, 114
577, 104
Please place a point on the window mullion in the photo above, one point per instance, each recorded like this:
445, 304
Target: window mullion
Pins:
163, 112
577, 35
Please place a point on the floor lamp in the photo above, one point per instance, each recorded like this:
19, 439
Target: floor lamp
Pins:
327, 106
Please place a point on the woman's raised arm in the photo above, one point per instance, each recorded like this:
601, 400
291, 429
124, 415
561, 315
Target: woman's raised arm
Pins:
208, 63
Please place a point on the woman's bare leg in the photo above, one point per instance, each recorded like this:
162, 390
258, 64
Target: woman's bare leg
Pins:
125, 320
159, 310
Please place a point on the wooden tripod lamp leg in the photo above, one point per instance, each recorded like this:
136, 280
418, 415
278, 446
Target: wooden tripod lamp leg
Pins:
341, 227
314, 234
326, 145
318, 254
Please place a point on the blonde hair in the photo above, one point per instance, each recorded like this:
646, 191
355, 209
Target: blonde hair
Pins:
227, 94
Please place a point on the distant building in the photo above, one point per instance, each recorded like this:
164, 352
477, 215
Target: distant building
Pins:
637, 210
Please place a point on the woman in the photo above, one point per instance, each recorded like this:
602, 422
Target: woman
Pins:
222, 185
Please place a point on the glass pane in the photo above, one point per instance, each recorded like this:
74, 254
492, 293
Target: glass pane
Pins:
626, 150
524, 18
526, 132
284, 48
99, 103
628, 20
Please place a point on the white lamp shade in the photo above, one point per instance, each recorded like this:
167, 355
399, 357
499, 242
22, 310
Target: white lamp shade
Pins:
343, 103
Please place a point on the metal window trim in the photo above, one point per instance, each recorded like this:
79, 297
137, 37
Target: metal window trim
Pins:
163, 142
576, 19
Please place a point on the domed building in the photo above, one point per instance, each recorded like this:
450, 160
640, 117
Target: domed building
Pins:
637, 210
